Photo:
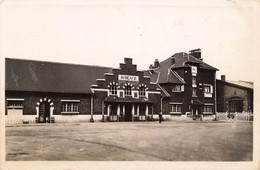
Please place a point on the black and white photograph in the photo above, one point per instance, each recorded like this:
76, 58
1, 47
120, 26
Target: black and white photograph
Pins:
147, 84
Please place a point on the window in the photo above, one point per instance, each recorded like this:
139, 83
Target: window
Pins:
113, 89
175, 108
193, 80
207, 109
207, 89
128, 90
142, 91
15, 103
194, 92
176, 88
70, 107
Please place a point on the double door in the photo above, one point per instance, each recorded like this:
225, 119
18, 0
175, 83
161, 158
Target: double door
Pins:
44, 112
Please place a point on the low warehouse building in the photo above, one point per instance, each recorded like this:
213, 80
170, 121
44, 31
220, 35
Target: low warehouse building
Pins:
234, 96
42, 92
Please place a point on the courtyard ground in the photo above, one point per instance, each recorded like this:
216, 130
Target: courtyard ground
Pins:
130, 141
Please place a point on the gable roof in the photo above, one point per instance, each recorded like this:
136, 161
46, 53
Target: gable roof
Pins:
165, 74
41, 76
183, 60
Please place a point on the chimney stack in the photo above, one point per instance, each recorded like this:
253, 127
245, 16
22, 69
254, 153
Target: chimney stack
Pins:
196, 53
172, 60
223, 77
156, 63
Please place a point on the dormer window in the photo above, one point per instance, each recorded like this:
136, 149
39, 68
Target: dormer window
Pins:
176, 88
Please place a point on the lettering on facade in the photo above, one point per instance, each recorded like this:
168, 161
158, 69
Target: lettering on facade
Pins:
128, 77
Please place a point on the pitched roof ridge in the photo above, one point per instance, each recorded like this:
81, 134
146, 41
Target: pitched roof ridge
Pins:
54, 62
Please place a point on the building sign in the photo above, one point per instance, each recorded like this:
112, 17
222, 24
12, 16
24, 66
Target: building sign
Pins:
128, 77
193, 70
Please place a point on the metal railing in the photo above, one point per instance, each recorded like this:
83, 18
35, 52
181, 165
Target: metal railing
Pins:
235, 116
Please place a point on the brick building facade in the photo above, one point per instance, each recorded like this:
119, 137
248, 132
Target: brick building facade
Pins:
45, 92
188, 85
234, 96
182, 85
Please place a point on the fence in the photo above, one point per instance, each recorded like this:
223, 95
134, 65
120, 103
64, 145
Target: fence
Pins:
237, 116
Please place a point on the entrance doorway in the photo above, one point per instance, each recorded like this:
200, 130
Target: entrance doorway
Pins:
44, 112
128, 112
196, 112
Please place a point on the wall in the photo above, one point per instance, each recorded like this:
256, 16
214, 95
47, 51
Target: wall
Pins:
226, 91
31, 99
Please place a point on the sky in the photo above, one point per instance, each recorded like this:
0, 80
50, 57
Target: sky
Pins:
105, 32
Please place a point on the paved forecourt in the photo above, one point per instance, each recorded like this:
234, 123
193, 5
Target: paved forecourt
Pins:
131, 141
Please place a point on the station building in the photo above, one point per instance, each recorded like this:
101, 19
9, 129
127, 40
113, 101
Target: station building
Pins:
180, 86
42, 92
234, 96
188, 85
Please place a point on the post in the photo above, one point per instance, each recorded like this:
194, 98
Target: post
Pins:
152, 112
146, 111
123, 110
108, 110
118, 111
133, 111
37, 114
137, 110
102, 105
92, 98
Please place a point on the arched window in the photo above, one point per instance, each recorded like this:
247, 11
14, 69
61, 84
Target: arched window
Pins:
142, 91
128, 90
113, 88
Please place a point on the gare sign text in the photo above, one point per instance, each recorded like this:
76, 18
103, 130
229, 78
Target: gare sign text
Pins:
128, 77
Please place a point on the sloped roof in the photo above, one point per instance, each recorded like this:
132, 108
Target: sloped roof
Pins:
183, 60
240, 83
40, 76
164, 73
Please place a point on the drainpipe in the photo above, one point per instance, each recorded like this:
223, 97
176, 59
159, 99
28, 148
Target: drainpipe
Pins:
215, 90
161, 105
92, 98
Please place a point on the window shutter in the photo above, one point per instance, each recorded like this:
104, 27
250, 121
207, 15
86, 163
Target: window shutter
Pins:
182, 87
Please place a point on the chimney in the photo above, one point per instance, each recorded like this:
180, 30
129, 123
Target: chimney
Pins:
196, 53
156, 63
223, 77
172, 60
